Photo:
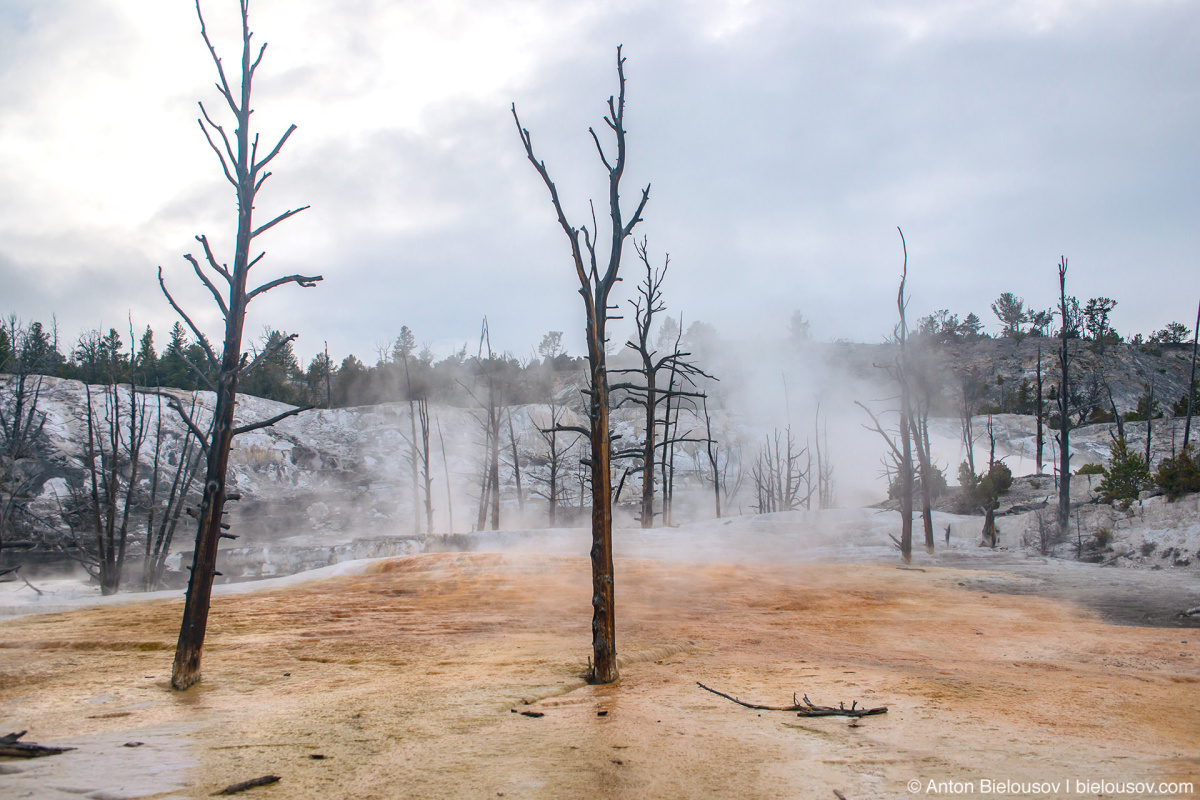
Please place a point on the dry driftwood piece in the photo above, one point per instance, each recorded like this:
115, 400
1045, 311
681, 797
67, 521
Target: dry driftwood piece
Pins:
265, 780
805, 707
9, 746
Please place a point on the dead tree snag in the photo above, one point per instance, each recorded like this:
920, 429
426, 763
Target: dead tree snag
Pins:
595, 284
246, 171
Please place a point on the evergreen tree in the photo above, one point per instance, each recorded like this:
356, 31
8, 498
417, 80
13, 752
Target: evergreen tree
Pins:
173, 370
1010, 310
1126, 476
405, 346
147, 360
272, 377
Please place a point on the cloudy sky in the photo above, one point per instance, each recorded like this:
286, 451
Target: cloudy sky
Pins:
784, 141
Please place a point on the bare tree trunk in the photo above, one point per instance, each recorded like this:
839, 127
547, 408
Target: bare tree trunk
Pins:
413, 454
423, 413
921, 439
1041, 434
1187, 426
595, 287
905, 466
1064, 406
243, 169
1149, 421
512, 439
446, 467
712, 459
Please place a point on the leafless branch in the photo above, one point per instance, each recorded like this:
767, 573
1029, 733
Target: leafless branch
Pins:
306, 281
266, 353
204, 278
212, 261
277, 220
200, 337
266, 423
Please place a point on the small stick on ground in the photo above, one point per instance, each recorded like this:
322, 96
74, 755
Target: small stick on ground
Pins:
265, 780
805, 708
9, 746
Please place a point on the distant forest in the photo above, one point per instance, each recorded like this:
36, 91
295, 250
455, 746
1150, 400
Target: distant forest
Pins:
403, 369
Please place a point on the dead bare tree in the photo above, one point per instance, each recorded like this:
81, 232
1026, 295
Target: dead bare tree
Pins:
246, 171
595, 285
905, 464
414, 450
824, 466
187, 466
426, 476
1040, 413
116, 432
446, 467
516, 462
1064, 403
922, 388
713, 457
553, 488
1187, 425
781, 483
21, 419
649, 394
489, 404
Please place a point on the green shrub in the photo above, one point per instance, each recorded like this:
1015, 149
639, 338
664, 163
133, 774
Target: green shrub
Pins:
1179, 475
998, 478
937, 483
1103, 538
1148, 548
982, 490
1091, 469
1127, 474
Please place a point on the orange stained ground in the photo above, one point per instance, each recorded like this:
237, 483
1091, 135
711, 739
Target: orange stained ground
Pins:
405, 680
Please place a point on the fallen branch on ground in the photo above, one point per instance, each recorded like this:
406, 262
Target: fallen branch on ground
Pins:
265, 780
805, 708
9, 746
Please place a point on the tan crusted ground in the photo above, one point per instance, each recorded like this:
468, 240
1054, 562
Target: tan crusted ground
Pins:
404, 679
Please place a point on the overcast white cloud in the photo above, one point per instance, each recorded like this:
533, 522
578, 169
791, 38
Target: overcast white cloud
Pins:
785, 142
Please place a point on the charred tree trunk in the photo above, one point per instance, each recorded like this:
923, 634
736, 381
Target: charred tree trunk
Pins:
512, 439
413, 452
423, 415
921, 439
1187, 425
446, 467
712, 459
1041, 434
595, 286
1064, 405
244, 169
905, 465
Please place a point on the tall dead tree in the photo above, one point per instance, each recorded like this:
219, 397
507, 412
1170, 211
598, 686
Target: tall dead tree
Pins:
426, 475
1187, 425
246, 171
595, 285
116, 432
1064, 403
905, 464
901, 452
1040, 414
489, 493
